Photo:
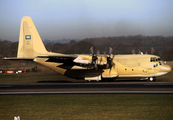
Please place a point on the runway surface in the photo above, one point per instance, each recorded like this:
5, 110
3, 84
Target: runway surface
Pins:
88, 88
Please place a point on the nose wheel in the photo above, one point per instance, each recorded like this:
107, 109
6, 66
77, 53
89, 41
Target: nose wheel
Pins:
151, 79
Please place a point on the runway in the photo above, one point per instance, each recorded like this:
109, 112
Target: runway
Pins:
88, 88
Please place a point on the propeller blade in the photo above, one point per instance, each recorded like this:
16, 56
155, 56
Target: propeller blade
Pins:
107, 66
105, 55
100, 60
133, 51
98, 52
112, 67
110, 70
92, 51
152, 50
112, 63
96, 67
110, 50
94, 59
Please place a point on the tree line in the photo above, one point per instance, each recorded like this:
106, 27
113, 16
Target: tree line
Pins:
163, 46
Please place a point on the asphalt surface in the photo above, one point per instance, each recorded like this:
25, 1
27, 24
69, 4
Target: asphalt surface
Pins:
88, 88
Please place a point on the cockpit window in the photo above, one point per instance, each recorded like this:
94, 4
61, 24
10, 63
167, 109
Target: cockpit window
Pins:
154, 59
160, 63
155, 65
159, 59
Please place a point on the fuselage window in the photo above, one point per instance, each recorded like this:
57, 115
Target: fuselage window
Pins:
155, 65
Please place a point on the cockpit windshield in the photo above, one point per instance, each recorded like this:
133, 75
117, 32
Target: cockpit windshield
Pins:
154, 59
158, 59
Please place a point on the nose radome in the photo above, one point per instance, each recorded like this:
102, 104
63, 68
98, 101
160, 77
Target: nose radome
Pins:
166, 68
170, 68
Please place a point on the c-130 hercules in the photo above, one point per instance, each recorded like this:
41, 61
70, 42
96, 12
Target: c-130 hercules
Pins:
88, 67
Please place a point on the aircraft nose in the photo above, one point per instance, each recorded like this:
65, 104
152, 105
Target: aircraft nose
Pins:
166, 68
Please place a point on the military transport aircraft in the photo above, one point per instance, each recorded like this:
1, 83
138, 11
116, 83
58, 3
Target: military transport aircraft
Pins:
88, 67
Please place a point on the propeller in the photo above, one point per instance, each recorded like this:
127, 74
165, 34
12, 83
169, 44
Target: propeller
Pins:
109, 59
110, 64
152, 51
94, 58
139, 52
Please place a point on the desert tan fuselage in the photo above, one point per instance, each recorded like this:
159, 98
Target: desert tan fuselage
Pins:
124, 66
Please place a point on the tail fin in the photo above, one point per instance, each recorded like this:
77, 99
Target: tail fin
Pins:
30, 43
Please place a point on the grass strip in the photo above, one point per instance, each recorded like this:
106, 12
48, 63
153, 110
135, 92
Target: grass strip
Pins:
87, 107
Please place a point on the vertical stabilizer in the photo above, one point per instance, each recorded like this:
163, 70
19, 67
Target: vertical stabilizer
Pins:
30, 44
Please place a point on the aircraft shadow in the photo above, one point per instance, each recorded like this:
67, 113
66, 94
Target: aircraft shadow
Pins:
61, 81
130, 81
65, 81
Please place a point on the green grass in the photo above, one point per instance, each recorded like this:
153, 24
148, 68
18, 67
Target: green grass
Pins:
87, 107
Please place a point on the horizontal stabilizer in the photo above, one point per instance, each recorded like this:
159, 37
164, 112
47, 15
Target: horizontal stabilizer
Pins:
15, 58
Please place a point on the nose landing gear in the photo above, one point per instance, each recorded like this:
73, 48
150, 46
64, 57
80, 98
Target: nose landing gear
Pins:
151, 79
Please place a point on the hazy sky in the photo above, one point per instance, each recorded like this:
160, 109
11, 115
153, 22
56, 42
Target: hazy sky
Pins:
78, 19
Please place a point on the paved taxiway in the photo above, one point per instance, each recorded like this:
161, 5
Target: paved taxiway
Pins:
88, 88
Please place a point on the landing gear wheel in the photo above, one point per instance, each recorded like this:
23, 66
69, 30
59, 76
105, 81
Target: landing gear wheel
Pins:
151, 79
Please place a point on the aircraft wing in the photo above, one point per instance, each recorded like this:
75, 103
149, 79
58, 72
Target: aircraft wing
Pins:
43, 56
65, 58
58, 55
80, 59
